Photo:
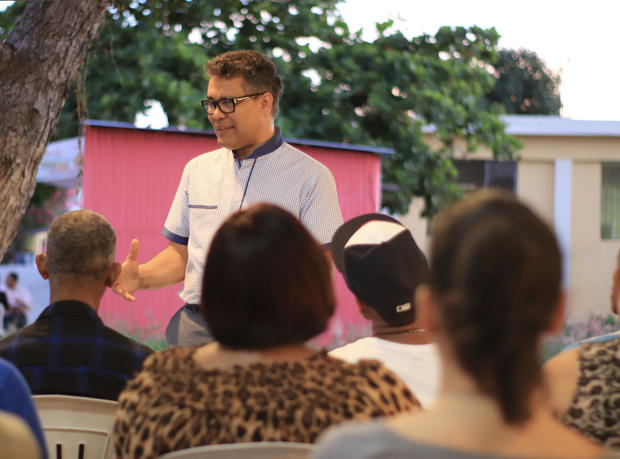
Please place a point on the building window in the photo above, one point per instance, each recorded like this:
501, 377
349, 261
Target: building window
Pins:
610, 201
474, 174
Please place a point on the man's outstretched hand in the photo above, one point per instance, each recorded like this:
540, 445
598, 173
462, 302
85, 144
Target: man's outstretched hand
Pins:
129, 280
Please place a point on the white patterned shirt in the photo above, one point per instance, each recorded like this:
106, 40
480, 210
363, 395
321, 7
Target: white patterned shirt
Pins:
217, 183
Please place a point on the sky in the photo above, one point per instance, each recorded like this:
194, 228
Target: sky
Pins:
577, 39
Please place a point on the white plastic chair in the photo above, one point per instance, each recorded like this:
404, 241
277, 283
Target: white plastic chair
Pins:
258, 450
76, 427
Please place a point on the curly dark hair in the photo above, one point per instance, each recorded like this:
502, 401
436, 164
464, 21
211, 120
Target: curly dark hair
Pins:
259, 73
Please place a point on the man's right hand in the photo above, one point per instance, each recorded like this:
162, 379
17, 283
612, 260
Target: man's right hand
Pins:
129, 280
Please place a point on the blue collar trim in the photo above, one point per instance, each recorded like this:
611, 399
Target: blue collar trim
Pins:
268, 147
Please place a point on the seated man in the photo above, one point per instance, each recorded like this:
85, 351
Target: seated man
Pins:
382, 265
68, 350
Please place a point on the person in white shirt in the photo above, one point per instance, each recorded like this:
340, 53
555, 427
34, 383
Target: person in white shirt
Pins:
19, 301
254, 165
4, 307
382, 266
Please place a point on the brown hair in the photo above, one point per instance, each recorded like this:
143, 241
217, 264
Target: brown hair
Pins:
496, 273
259, 73
267, 281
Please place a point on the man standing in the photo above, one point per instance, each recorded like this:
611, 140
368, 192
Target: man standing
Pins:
253, 165
19, 301
68, 350
382, 265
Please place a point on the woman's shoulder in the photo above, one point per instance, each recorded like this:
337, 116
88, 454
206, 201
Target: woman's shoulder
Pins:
584, 382
356, 439
362, 366
375, 439
368, 368
374, 378
599, 365
172, 361
604, 351
374, 370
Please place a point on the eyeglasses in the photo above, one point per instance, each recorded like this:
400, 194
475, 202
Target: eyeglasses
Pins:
226, 106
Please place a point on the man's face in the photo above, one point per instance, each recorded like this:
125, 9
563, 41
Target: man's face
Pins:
242, 130
10, 282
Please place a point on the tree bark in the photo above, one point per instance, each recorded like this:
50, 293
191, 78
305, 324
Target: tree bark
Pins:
38, 62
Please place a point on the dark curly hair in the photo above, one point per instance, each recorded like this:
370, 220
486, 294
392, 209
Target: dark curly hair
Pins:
259, 73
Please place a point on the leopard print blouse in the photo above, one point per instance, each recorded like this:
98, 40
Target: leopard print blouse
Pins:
595, 409
174, 404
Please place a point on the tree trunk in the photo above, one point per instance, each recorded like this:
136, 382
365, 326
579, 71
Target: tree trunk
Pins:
38, 62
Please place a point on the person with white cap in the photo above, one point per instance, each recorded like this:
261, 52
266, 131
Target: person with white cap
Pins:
382, 266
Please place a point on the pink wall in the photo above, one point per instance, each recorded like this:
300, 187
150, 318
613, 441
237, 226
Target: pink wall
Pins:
131, 176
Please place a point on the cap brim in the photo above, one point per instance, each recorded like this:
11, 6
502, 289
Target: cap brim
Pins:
346, 230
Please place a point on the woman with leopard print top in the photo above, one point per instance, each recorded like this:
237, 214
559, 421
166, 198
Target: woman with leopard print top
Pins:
585, 381
266, 291
585, 385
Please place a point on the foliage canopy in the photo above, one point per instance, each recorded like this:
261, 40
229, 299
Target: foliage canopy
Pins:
337, 86
525, 86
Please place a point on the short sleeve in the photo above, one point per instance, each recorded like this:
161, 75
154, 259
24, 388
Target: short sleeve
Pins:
320, 209
176, 227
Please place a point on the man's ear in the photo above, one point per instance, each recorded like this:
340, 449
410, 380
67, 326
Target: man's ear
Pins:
427, 307
41, 261
266, 102
558, 318
112, 275
365, 310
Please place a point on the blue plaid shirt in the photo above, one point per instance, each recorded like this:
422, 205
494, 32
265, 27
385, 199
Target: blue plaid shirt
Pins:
68, 350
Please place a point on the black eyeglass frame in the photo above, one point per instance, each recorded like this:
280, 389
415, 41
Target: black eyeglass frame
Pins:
235, 100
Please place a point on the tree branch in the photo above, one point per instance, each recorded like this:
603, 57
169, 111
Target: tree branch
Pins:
38, 61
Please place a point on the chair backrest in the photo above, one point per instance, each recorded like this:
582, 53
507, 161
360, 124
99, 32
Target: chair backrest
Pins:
258, 450
76, 427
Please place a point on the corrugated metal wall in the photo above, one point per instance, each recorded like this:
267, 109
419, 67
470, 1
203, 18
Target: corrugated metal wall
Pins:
131, 176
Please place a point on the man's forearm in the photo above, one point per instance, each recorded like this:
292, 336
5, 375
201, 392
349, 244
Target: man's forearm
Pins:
164, 269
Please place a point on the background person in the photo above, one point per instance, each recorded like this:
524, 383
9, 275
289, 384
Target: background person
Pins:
382, 265
267, 289
68, 350
19, 300
4, 307
253, 165
493, 291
